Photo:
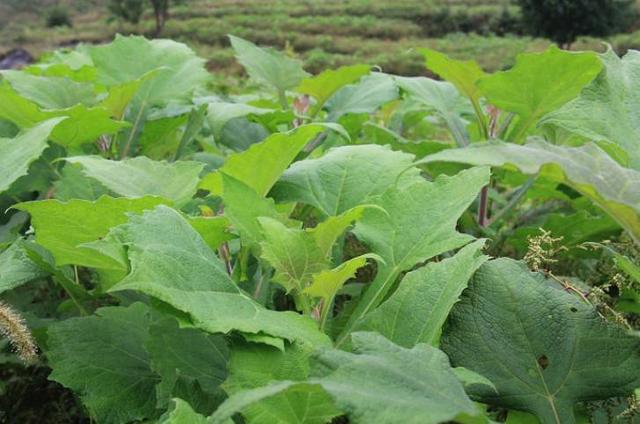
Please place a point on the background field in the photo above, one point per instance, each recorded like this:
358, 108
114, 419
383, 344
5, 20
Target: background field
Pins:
325, 33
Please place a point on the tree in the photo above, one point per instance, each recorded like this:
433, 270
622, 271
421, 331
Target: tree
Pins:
161, 12
564, 20
127, 10
131, 11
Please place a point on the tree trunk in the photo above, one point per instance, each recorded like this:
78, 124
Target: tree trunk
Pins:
161, 12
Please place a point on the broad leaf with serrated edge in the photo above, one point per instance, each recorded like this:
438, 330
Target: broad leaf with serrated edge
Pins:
16, 154
416, 311
267, 66
443, 98
344, 177
177, 69
325, 84
293, 253
62, 227
538, 84
141, 176
419, 223
16, 268
260, 166
385, 383
608, 108
462, 74
243, 206
171, 262
185, 357
366, 96
83, 125
254, 365
102, 358
587, 169
543, 348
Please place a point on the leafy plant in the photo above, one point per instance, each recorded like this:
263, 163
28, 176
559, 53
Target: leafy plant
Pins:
314, 252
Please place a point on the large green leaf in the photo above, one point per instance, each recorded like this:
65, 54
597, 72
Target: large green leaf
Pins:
184, 358
416, 311
179, 70
539, 83
243, 207
267, 66
293, 253
419, 223
543, 348
260, 166
253, 366
141, 176
102, 358
385, 383
443, 98
462, 74
220, 113
50, 92
344, 177
182, 413
325, 84
380, 383
83, 125
607, 109
171, 262
366, 96
587, 169
63, 227
16, 268
16, 154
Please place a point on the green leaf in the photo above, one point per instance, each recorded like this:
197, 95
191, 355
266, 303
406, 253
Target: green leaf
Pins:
182, 413
16, 154
366, 96
253, 366
417, 310
607, 109
220, 113
443, 98
243, 207
171, 262
462, 74
587, 169
419, 223
267, 66
245, 401
344, 177
293, 254
16, 268
385, 383
543, 348
185, 357
141, 176
177, 69
538, 84
50, 92
102, 358
62, 227
326, 283
73, 184
260, 166
213, 230
327, 232
325, 84
83, 124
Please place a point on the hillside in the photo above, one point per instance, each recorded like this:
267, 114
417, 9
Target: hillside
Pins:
324, 34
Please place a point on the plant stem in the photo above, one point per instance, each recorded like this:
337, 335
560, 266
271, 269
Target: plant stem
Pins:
514, 200
483, 207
